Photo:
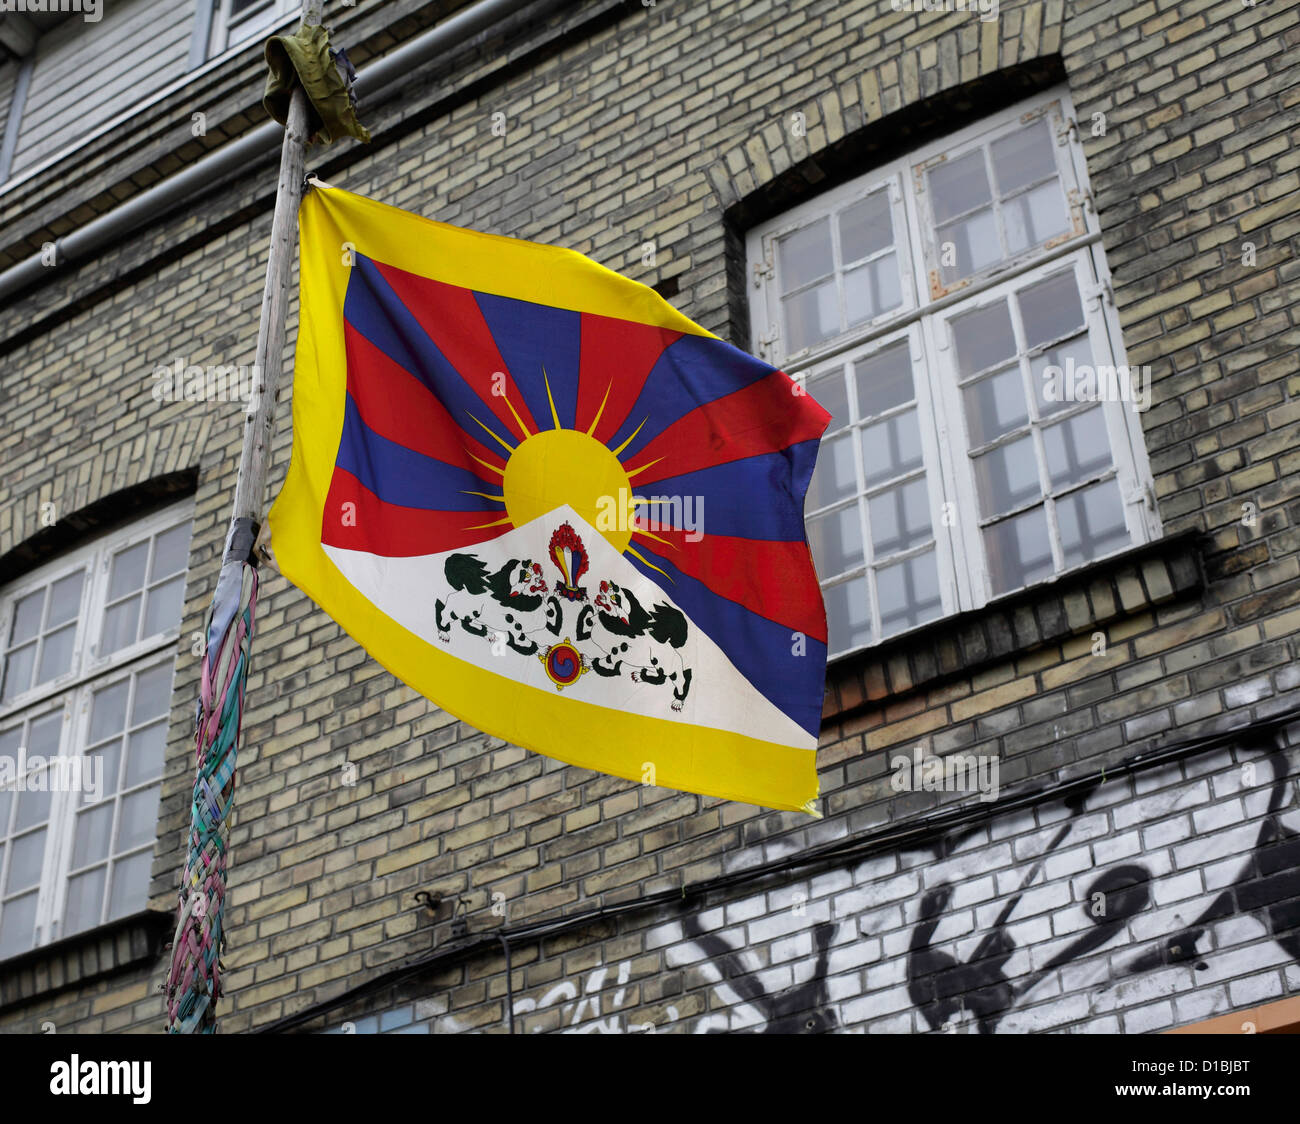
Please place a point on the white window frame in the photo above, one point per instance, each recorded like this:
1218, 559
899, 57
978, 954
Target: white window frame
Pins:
66, 804
72, 692
925, 312
225, 34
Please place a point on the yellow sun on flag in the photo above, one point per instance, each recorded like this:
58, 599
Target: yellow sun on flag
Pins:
567, 466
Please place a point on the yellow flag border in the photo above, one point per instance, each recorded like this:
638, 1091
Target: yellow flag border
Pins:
686, 757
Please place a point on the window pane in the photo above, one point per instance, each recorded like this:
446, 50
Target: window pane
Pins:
1050, 309
111, 757
909, 593
65, 599
1077, 448
144, 759
983, 338
120, 624
6, 803
1007, 476
26, 854
836, 541
830, 393
957, 186
848, 615
56, 653
1018, 551
138, 822
805, 255
27, 617
872, 289
969, 245
108, 711
1091, 522
128, 571
811, 316
152, 694
169, 552
995, 405
835, 477
93, 833
1023, 157
18, 925
163, 607
43, 735
33, 808
866, 227
398, 1017
1034, 217
18, 672
884, 380
899, 518
891, 447
130, 885
1061, 374
85, 901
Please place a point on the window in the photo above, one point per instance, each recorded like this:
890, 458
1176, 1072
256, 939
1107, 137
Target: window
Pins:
951, 311
235, 21
87, 648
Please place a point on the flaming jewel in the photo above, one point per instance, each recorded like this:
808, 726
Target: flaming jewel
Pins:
570, 556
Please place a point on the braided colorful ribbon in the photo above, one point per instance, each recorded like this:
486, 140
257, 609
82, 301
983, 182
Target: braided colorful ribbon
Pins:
194, 983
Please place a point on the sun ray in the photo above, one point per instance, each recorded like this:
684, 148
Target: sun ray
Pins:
637, 555
518, 420
499, 523
596, 420
554, 416
651, 535
500, 499
491, 467
500, 441
629, 441
634, 471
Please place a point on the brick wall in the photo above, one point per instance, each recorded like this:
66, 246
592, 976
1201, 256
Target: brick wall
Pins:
626, 124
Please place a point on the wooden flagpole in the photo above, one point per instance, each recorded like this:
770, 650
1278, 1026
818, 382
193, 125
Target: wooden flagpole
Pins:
250, 488
193, 985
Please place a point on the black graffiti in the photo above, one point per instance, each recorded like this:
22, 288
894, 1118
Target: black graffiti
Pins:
1267, 885
802, 1009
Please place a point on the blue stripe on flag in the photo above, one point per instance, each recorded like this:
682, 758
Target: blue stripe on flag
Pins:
761, 650
374, 310
401, 476
532, 337
729, 491
691, 372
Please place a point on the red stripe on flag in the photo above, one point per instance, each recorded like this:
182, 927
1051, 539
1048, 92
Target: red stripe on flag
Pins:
776, 580
452, 319
397, 405
617, 355
763, 417
372, 525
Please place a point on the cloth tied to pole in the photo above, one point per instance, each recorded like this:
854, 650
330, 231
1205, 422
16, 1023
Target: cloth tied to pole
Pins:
305, 58
193, 984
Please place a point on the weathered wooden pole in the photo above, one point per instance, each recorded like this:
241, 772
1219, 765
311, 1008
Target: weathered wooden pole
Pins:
193, 985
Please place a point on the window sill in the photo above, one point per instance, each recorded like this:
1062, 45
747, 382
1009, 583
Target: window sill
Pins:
1081, 601
84, 957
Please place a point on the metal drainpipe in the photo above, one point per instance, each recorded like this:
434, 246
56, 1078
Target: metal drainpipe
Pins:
152, 203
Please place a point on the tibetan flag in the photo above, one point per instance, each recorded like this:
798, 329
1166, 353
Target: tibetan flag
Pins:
553, 505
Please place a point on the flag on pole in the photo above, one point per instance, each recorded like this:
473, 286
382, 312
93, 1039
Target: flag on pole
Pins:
553, 505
